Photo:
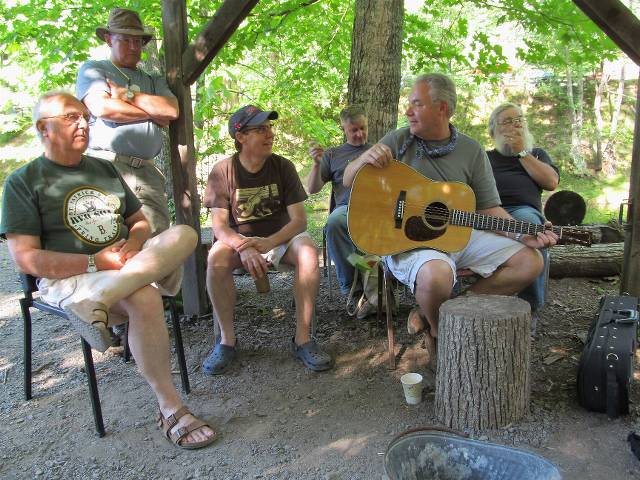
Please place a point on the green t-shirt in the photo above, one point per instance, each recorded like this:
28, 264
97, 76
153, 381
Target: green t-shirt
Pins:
77, 209
467, 163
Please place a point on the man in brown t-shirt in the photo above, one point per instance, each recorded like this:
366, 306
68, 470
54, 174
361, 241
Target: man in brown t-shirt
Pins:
257, 211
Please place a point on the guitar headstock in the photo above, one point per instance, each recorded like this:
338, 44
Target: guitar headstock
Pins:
576, 236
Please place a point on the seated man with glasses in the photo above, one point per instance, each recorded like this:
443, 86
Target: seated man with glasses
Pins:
130, 107
521, 172
258, 218
71, 221
432, 145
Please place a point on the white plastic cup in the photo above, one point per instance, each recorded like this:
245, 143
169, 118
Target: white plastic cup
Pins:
412, 386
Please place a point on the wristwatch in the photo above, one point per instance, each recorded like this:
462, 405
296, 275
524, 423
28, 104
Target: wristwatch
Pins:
129, 94
91, 266
523, 154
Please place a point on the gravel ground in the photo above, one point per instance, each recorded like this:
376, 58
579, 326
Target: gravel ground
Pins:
277, 420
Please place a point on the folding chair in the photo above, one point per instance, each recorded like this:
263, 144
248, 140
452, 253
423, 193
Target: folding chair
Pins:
29, 287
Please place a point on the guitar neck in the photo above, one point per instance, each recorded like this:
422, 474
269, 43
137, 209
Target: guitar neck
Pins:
479, 221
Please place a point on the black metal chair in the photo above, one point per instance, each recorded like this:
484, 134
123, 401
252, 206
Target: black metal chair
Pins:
29, 287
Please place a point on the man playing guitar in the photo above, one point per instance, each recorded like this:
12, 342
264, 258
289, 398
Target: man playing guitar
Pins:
507, 262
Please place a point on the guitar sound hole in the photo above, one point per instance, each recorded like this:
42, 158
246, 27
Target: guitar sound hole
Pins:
436, 215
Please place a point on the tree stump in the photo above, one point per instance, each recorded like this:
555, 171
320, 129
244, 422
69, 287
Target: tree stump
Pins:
484, 345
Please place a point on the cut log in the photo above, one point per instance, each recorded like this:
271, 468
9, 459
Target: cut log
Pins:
600, 260
482, 379
609, 233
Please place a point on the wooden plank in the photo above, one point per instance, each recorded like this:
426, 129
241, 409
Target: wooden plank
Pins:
617, 21
630, 282
213, 37
182, 151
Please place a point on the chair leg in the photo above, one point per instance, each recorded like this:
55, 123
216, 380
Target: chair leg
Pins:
93, 387
26, 317
126, 353
324, 252
327, 269
177, 334
388, 290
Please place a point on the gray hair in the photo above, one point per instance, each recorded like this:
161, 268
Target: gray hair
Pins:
352, 113
441, 89
42, 102
493, 118
498, 138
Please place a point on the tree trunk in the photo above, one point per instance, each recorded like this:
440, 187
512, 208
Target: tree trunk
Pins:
575, 109
376, 54
597, 110
609, 155
599, 260
482, 379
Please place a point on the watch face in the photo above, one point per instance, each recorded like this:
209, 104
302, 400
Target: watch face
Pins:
129, 95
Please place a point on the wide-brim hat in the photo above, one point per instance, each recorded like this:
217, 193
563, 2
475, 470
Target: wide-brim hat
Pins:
249, 116
126, 22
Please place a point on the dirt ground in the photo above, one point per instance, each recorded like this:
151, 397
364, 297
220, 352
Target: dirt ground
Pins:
277, 420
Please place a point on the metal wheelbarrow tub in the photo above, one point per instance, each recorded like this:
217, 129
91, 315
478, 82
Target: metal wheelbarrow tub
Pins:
437, 455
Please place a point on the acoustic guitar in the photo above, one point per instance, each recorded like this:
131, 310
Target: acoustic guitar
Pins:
395, 209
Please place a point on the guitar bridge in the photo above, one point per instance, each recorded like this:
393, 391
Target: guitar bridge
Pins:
399, 213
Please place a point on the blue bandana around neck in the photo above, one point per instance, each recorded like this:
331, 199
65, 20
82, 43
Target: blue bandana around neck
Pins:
423, 150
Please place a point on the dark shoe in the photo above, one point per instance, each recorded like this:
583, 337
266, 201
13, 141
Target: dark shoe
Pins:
220, 359
311, 355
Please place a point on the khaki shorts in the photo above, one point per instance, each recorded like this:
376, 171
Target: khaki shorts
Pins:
484, 253
62, 291
274, 256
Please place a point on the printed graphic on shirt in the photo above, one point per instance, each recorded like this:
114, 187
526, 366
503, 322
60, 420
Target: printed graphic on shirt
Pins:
92, 215
257, 202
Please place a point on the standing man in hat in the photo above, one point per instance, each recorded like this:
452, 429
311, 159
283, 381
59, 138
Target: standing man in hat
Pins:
129, 107
258, 218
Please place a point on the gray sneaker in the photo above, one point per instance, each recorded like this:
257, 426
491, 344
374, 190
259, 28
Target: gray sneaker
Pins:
365, 309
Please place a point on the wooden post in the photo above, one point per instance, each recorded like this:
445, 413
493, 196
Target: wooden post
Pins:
631, 264
183, 165
482, 380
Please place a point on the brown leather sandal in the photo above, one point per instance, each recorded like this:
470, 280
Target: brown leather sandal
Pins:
416, 322
178, 435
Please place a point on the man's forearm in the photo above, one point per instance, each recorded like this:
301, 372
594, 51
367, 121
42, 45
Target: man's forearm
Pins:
314, 180
290, 230
118, 111
46, 264
158, 108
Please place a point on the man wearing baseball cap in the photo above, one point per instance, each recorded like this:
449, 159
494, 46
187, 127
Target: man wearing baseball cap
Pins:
257, 210
129, 107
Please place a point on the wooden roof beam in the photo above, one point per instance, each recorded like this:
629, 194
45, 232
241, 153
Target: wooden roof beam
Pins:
213, 36
617, 21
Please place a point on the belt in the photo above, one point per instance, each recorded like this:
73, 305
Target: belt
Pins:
135, 162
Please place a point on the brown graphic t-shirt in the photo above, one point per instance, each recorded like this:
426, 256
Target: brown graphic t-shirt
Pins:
257, 202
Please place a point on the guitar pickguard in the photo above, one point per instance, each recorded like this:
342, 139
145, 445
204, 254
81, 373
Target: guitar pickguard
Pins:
415, 229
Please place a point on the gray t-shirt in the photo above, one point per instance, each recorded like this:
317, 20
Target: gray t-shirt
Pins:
334, 161
468, 163
140, 139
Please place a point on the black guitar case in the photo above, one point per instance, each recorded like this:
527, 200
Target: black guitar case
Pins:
606, 365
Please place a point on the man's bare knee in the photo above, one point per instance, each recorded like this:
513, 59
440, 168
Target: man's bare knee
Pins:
527, 262
434, 275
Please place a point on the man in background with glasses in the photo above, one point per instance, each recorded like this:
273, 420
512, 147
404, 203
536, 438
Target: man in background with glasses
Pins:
130, 108
522, 172
258, 218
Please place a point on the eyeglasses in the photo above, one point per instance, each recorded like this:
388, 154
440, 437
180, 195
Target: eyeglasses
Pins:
135, 42
71, 118
262, 129
519, 120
